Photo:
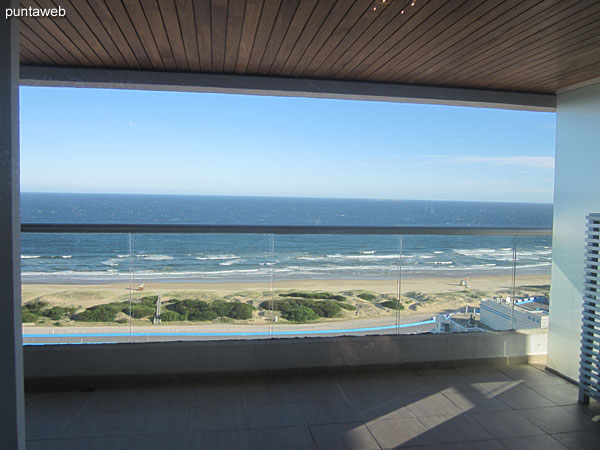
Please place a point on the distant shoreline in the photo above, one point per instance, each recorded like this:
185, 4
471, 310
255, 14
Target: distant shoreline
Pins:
420, 284
157, 278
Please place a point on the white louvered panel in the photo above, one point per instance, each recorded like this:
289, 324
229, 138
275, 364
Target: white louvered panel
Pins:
589, 371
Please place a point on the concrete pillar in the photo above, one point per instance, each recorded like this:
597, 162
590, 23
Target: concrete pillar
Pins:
12, 409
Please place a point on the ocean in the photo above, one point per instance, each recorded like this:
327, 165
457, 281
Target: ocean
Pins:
80, 258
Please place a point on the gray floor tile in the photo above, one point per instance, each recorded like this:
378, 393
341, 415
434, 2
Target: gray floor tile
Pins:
375, 408
162, 421
102, 424
269, 391
474, 445
217, 393
561, 394
403, 383
343, 436
115, 400
591, 411
48, 426
521, 397
221, 440
504, 424
263, 415
449, 380
398, 433
497, 387
329, 411
166, 398
483, 374
218, 417
317, 389
112, 442
579, 440
364, 386
288, 438
455, 428
168, 441
543, 442
433, 405
476, 401
556, 419
531, 376
57, 403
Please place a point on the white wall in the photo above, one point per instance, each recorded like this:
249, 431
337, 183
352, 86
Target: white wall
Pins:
576, 194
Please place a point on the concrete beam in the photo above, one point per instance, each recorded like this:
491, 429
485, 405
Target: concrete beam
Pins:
12, 410
283, 87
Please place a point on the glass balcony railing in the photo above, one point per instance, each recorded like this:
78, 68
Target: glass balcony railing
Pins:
143, 283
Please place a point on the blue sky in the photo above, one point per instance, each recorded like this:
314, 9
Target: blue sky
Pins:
111, 141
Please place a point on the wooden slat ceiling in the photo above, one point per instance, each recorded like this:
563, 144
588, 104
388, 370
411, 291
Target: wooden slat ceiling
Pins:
514, 45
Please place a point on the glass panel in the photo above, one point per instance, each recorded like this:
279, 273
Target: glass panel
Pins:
447, 280
67, 282
532, 282
332, 285
80, 288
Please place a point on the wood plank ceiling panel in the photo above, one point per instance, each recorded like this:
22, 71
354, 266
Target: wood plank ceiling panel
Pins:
549, 56
45, 50
170, 19
355, 42
87, 14
381, 50
460, 53
322, 34
529, 45
268, 15
218, 17
76, 24
235, 21
144, 31
50, 32
124, 23
322, 10
203, 25
437, 25
280, 28
360, 16
297, 26
154, 19
187, 24
248, 34
486, 54
475, 19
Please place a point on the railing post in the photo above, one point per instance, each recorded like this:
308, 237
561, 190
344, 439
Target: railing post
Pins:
513, 283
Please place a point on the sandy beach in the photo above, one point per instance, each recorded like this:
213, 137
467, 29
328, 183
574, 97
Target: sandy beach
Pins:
420, 295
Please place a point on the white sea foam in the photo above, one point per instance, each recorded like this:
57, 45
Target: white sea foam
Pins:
110, 262
122, 256
155, 257
216, 257
230, 262
67, 256
369, 257
437, 252
368, 252
30, 256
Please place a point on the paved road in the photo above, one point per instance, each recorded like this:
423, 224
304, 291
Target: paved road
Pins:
359, 327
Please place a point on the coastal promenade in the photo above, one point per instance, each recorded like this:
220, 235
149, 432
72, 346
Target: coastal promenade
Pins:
413, 323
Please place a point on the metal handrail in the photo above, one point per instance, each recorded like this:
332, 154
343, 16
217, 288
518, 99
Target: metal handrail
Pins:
280, 229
